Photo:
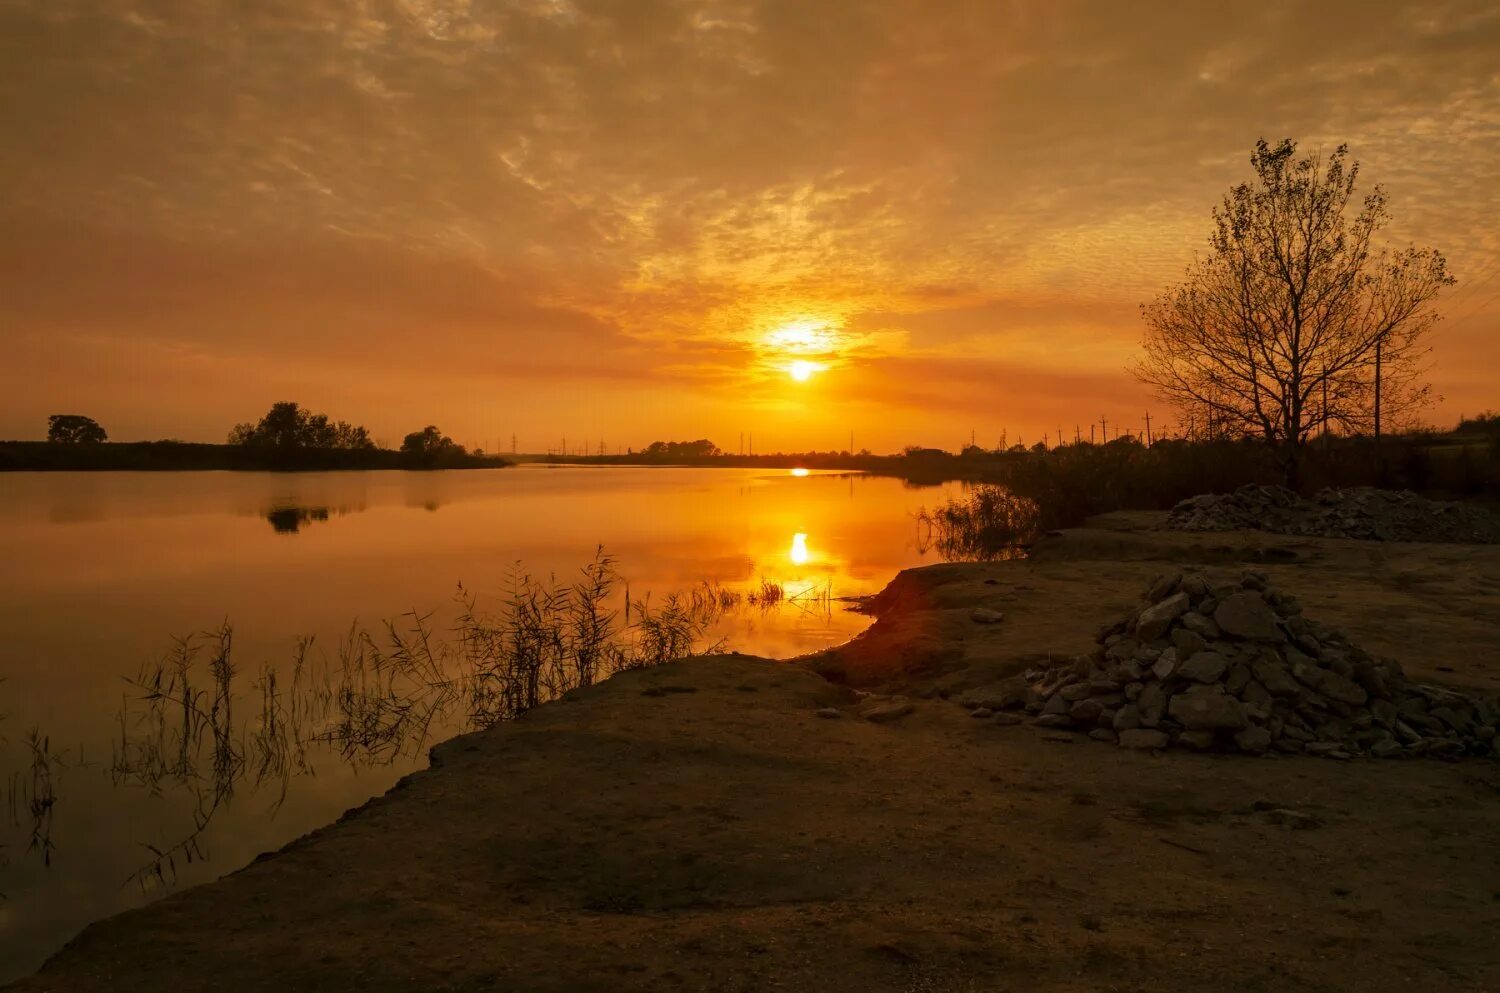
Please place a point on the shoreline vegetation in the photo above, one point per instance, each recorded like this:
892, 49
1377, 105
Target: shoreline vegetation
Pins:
289, 438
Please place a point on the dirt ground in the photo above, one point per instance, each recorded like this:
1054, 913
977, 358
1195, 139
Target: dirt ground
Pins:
699, 827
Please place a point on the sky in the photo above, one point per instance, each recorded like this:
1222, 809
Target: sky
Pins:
616, 222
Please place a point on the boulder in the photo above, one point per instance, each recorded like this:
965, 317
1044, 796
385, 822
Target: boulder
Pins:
1155, 620
1205, 708
1247, 615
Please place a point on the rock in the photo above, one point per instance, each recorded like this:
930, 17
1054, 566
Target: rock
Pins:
1085, 711
984, 615
1056, 704
981, 713
1253, 740
830, 712
1054, 721
1247, 615
1198, 740
1188, 643
1342, 689
1006, 693
1274, 677
1102, 734
1204, 667
1074, 692
1239, 677
1257, 697
883, 712
1205, 708
1163, 586
1152, 704
1127, 718
1387, 748
1202, 626
1007, 720
1166, 664
1143, 738
1155, 620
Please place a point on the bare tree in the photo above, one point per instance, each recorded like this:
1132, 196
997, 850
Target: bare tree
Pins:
1295, 320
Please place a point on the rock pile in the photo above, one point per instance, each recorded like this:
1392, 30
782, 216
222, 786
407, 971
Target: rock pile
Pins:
1231, 664
1357, 512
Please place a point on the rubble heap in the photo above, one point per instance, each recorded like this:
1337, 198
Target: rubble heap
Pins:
1231, 664
1357, 512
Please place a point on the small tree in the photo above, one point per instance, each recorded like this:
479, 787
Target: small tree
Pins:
1295, 320
429, 446
74, 429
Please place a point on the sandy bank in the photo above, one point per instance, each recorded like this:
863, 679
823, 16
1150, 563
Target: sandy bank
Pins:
699, 827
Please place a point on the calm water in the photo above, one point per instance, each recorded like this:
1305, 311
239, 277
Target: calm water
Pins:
101, 571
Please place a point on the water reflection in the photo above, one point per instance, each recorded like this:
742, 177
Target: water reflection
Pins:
152, 554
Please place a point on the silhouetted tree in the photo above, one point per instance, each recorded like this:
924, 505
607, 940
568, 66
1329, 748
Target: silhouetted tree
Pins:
1294, 320
702, 448
289, 426
74, 429
430, 446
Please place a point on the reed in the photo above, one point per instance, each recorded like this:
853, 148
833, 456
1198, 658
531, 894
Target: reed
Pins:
988, 522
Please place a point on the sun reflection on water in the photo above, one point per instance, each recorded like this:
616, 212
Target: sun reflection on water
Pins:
798, 552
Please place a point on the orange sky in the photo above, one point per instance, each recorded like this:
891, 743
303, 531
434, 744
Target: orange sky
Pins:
567, 218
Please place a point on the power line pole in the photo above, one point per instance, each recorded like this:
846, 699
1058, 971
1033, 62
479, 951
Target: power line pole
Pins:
1148, 429
1103, 429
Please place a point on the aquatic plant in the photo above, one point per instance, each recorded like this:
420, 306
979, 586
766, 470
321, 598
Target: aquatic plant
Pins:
987, 522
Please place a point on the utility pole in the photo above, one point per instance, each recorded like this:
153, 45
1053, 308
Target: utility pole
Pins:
1148, 429
1091, 434
1103, 429
512, 443
1059, 438
1077, 435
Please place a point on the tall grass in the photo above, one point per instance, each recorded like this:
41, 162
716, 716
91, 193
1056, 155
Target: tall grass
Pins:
988, 522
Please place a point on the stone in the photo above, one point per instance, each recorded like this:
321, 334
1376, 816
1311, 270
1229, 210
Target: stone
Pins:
1188, 643
1384, 711
1257, 697
1163, 586
1152, 704
1056, 704
1054, 721
891, 711
1085, 711
1143, 738
1074, 692
1198, 740
1205, 708
1166, 664
1006, 720
1342, 689
1239, 677
1205, 667
1385, 749
1003, 695
981, 713
1253, 740
1155, 620
1102, 734
984, 615
1202, 626
1133, 690
1247, 615
1274, 677
830, 712
1127, 718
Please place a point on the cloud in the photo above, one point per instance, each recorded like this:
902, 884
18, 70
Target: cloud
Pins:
622, 197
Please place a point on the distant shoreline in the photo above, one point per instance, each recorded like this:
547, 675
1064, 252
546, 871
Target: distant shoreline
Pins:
187, 456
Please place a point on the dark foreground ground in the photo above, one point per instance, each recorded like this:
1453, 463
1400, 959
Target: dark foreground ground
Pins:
699, 827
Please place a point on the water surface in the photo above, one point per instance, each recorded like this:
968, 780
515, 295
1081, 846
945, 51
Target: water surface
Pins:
102, 570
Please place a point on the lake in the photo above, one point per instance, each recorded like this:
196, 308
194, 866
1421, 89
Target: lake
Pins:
102, 571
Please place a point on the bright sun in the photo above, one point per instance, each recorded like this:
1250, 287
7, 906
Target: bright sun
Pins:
802, 370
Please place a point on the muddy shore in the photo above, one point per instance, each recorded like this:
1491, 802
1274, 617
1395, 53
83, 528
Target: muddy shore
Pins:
699, 826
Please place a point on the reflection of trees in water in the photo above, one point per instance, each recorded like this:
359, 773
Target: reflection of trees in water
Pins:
290, 519
987, 523
193, 724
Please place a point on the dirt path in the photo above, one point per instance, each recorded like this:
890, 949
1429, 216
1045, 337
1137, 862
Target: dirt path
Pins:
699, 827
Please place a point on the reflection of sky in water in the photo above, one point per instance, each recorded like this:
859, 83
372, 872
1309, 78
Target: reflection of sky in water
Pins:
103, 569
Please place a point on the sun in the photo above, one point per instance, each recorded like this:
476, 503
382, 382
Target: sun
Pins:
802, 370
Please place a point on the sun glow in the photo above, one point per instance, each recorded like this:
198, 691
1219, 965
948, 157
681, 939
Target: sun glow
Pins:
799, 471
802, 370
798, 552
